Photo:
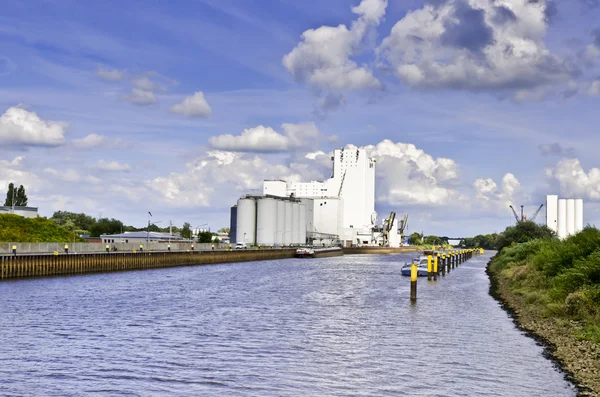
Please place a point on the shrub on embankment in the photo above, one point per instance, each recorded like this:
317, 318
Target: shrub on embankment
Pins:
16, 229
557, 278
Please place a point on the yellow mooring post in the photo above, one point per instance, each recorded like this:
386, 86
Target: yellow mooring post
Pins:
429, 269
413, 282
435, 268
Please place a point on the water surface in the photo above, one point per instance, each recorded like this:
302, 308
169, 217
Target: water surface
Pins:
301, 327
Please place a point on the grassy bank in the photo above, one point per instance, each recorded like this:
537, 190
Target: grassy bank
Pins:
553, 287
16, 229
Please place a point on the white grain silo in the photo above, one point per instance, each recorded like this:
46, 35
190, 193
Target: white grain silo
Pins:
289, 223
570, 217
302, 224
246, 221
266, 221
296, 224
562, 218
552, 212
578, 215
280, 222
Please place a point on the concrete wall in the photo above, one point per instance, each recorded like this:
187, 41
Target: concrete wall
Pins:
27, 248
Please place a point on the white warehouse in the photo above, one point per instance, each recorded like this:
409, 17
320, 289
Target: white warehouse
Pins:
564, 216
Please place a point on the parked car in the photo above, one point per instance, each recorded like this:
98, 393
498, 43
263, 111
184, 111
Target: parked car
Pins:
241, 246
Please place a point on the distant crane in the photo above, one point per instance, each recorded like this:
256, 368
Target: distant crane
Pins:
523, 218
402, 227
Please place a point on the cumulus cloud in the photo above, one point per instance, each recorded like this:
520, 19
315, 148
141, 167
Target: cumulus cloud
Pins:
218, 175
407, 175
21, 127
490, 196
323, 59
111, 75
193, 106
68, 175
475, 45
140, 97
112, 166
13, 163
573, 180
266, 139
555, 149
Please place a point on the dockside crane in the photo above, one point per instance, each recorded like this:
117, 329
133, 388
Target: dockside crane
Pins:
523, 218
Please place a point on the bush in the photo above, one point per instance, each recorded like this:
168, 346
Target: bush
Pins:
523, 232
16, 229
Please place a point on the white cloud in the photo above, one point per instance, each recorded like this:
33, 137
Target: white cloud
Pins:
323, 59
475, 45
13, 163
266, 139
491, 197
68, 175
18, 126
574, 181
140, 97
93, 141
111, 75
144, 83
408, 176
112, 166
193, 106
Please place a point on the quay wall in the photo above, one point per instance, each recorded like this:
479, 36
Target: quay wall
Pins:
35, 248
39, 265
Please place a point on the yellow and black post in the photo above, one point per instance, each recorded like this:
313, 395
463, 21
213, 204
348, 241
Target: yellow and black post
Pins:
169, 247
192, 247
66, 248
435, 268
14, 250
107, 248
440, 262
413, 282
141, 247
429, 268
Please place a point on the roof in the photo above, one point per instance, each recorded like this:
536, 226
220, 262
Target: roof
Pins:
151, 235
18, 208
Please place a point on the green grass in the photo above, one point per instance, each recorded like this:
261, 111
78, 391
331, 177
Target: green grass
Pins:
16, 229
558, 279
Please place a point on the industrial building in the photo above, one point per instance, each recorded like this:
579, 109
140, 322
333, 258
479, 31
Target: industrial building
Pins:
26, 212
339, 209
564, 216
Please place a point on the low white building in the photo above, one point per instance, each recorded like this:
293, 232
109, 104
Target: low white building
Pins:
141, 237
26, 212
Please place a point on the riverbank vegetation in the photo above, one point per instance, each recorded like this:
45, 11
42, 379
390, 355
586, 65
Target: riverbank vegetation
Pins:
14, 228
553, 286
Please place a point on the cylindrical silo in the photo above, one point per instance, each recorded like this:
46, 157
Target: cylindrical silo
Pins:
246, 221
302, 224
266, 221
552, 212
562, 218
289, 221
578, 215
570, 217
296, 224
280, 222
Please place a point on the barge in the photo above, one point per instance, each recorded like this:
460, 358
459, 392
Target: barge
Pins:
311, 252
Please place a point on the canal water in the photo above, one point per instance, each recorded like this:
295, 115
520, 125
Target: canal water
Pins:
300, 327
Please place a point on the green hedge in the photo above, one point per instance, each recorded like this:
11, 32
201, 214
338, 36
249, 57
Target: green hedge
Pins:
16, 229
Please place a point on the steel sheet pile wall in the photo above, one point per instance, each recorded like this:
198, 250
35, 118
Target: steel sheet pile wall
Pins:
246, 220
266, 223
280, 222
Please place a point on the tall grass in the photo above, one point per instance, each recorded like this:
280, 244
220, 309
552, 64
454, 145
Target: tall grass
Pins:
562, 275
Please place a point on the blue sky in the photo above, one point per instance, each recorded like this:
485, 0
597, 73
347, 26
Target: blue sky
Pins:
94, 116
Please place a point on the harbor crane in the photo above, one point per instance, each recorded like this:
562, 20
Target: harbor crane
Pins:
523, 218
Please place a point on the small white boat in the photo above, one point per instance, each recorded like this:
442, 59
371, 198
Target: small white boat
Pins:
421, 263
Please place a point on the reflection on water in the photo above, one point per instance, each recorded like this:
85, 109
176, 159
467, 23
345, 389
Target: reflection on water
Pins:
303, 327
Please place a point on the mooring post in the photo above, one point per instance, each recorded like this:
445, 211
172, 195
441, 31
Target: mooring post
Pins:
66, 248
413, 282
141, 247
14, 250
429, 268
435, 268
107, 248
441, 263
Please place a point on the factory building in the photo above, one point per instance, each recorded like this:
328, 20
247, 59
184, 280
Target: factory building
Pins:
564, 216
340, 209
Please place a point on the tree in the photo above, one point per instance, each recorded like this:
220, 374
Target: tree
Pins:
10, 195
106, 226
432, 240
224, 230
205, 237
21, 197
523, 232
186, 231
415, 239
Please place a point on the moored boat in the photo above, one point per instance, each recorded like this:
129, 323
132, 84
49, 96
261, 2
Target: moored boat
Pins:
421, 263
